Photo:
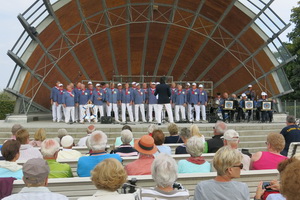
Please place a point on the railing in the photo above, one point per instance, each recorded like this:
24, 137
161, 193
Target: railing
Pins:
291, 107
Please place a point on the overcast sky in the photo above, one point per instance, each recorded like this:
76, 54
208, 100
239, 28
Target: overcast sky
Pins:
11, 29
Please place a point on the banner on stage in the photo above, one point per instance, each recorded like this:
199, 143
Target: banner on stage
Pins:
267, 106
228, 105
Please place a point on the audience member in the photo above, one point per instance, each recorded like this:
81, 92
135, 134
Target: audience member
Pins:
97, 143
232, 138
39, 137
8, 167
174, 137
227, 162
216, 142
159, 138
196, 163
89, 130
60, 134
118, 141
35, 177
142, 166
50, 149
196, 132
126, 149
271, 158
152, 128
14, 130
185, 134
108, 176
67, 153
26, 150
164, 174
291, 133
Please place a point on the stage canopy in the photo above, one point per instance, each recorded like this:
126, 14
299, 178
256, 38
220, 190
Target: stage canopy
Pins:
232, 43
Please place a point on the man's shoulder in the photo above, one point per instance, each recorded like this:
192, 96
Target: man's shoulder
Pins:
43, 195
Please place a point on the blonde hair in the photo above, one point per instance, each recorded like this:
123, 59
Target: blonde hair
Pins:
22, 136
195, 130
173, 129
276, 141
40, 135
225, 158
109, 174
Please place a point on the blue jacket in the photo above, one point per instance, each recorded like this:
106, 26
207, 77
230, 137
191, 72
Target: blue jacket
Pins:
138, 96
173, 93
54, 91
112, 95
180, 97
5, 173
203, 97
127, 97
84, 97
69, 99
193, 96
151, 97
96, 95
76, 91
59, 96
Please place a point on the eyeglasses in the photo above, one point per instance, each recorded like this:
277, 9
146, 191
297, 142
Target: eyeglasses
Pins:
240, 166
266, 143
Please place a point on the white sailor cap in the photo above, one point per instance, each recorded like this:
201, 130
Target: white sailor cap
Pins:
60, 84
244, 95
188, 84
90, 83
157, 83
201, 85
133, 83
119, 84
153, 83
264, 94
137, 84
194, 84
98, 84
249, 86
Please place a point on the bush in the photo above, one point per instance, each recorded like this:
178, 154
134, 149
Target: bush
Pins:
6, 107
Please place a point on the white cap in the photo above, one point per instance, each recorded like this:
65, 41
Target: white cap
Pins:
98, 84
153, 83
194, 84
231, 135
133, 83
201, 85
90, 83
157, 83
244, 95
60, 84
249, 86
264, 94
67, 141
188, 84
119, 84
137, 84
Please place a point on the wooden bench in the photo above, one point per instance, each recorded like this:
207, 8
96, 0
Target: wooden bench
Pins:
79, 187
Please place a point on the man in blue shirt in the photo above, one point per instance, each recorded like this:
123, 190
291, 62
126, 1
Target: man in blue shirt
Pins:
139, 101
203, 102
152, 102
250, 93
83, 98
180, 103
77, 90
112, 98
69, 105
59, 104
54, 92
194, 103
97, 143
266, 115
98, 99
291, 133
126, 99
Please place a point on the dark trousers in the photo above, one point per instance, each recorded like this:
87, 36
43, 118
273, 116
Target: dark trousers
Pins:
266, 116
230, 115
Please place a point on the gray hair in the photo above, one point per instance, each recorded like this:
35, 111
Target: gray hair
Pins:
152, 127
164, 170
49, 147
97, 141
126, 136
61, 133
195, 146
185, 133
220, 127
290, 119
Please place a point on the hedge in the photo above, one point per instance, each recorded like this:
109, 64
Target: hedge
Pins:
6, 107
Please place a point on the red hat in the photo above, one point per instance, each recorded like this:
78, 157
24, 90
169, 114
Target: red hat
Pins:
145, 145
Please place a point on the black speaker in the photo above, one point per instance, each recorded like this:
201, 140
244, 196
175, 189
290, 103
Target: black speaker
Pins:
106, 120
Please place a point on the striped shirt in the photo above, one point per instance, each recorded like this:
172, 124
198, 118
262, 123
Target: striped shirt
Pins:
126, 151
157, 194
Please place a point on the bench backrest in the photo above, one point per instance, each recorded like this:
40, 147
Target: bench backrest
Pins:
294, 149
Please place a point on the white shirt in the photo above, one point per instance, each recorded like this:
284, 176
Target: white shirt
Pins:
36, 193
82, 141
108, 195
68, 154
28, 152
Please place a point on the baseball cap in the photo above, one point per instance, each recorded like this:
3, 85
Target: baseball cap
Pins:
201, 85
133, 83
90, 83
35, 171
194, 84
263, 94
119, 84
249, 86
137, 84
67, 141
60, 84
152, 83
231, 135
98, 84
244, 95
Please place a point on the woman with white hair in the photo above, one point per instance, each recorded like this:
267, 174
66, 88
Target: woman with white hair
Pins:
126, 149
164, 174
196, 163
118, 140
185, 134
152, 128
228, 164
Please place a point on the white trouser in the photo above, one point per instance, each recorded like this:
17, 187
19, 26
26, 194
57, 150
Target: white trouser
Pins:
77, 113
84, 113
129, 109
69, 114
203, 111
140, 107
169, 111
60, 112
191, 113
180, 108
54, 112
95, 112
152, 107
114, 107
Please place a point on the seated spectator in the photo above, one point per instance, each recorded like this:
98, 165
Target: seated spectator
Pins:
227, 162
216, 142
291, 133
196, 132
89, 130
164, 174
50, 149
11, 152
26, 150
97, 143
35, 177
118, 141
126, 149
152, 128
14, 130
196, 163
142, 166
185, 134
232, 138
271, 158
67, 153
159, 138
60, 134
108, 176
174, 137
39, 137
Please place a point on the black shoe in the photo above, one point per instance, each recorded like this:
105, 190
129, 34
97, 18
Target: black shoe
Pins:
159, 124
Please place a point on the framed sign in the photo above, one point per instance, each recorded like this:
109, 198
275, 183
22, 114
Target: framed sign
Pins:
248, 105
228, 105
266, 105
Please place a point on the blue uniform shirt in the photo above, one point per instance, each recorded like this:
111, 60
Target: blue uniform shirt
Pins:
138, 96
98, 94
54, 91
173, 93
180, 97
127, 95
112, 95
193, 96
203, 97
69, 99
59, 96
83, 97
77, 91
151, 97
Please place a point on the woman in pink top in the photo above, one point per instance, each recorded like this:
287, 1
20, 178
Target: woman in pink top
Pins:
271, 158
